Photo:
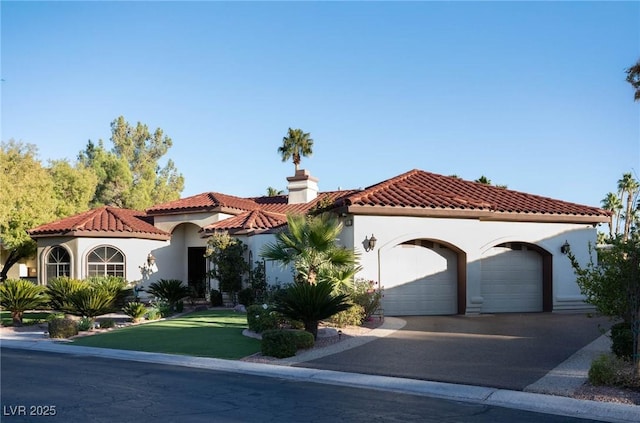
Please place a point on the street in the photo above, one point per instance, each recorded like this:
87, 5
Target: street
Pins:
49, 387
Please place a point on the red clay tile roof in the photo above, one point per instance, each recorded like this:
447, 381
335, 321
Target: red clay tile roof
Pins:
208, 201
256, 220
429, 192
103, 222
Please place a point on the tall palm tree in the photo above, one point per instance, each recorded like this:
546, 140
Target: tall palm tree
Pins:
309, 244
612, 203
629, 186
296, 144
633, 78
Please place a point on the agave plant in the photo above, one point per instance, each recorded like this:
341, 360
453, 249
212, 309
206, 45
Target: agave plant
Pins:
311, 303
18, 296
169, 290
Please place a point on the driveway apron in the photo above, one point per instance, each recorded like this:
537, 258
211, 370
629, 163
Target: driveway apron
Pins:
507, 351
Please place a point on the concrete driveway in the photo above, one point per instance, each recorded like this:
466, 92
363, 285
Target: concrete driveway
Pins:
508, 351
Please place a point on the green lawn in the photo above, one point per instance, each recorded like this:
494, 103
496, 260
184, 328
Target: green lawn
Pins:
29, 318
210, 333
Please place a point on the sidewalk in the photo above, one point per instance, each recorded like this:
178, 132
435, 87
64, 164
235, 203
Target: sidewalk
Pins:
562, 380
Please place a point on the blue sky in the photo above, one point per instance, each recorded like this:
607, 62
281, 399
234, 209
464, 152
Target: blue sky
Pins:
531, 94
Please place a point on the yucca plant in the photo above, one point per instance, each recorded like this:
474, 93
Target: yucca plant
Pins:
18, 296
169, 290
135, 310
310, 304
60, 290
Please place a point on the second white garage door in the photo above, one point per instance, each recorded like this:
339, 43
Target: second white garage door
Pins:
511, 280
419, 280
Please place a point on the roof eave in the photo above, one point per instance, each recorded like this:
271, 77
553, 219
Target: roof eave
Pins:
486, 215
103, 234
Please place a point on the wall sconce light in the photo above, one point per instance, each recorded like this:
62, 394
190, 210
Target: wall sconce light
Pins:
370, 244
151, 260
564, 249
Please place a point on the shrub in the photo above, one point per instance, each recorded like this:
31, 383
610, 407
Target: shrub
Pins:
216, 298
85, 324
278, 343
303, 339
622, 340
169, 290
179, 307
608, 370
107, 324
353, 316
135, 310
18, 296
62, 328
115, 285
311, 303
246, 297
260, 319
153, 314
367, 296
92, 301
60, 289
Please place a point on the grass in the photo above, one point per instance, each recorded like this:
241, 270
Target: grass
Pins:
29, 318
210, 333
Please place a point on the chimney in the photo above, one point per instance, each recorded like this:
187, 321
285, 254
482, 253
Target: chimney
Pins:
302, 187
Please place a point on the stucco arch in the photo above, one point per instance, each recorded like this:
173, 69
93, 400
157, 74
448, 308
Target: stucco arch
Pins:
44, 259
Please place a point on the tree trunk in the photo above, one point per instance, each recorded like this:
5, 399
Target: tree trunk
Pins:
311, 326
12, 259
16, 316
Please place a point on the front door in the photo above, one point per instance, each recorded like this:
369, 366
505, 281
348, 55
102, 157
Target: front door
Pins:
197, 270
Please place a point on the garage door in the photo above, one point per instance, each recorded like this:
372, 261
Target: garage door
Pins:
511, 280
419, 280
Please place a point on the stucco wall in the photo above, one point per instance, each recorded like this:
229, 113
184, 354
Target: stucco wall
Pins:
475, 237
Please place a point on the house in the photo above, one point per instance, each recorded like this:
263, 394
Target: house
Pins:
437, 244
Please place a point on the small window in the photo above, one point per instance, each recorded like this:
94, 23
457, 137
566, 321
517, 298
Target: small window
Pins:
58, 263
105, 261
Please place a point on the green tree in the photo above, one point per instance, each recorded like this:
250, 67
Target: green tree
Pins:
74, 187
612, 284
296, 144
483, 180
229, 267
26, 200
130, 175
272, 192
628, 186
309, 244
613, 204
633, 78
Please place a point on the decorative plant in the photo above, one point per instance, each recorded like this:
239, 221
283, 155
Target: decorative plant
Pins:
18, 296
135, 310
60, 290
169, 290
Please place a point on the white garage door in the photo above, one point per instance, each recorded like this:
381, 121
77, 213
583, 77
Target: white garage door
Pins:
511, 280
419, 280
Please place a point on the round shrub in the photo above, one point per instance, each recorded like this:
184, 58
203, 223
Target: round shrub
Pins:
278, 343
303, 339
622, 340
62, 328
260, 319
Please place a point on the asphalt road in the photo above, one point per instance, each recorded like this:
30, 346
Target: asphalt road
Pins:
506, 351
73, 388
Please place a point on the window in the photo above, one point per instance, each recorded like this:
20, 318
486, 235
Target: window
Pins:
105, 261
58, 263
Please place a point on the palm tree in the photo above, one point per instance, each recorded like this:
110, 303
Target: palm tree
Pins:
612, 203
18, 296
272, 192
296, 144
483, 180
629, 186
633, 78
309, 244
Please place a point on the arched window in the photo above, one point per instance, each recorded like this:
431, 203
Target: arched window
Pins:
105, 261
58, 263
